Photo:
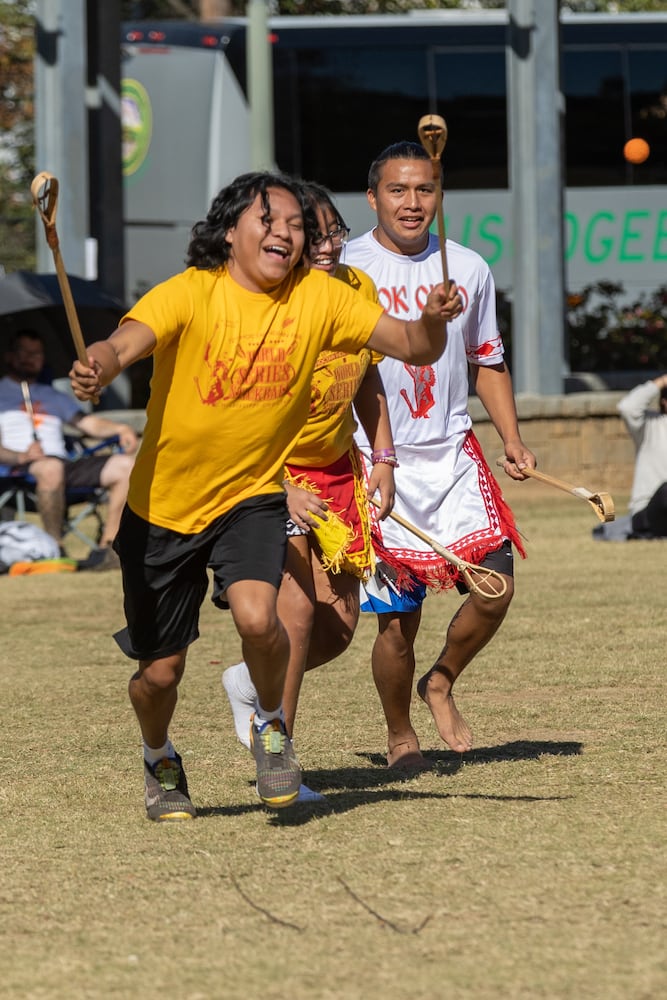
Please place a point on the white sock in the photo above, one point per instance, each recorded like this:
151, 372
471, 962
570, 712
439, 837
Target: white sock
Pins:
152, 754
242, 699
239, 675
262, 716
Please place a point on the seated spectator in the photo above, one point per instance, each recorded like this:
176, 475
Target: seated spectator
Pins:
34, 443
648, 427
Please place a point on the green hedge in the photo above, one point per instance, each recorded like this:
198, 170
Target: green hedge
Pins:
605, 332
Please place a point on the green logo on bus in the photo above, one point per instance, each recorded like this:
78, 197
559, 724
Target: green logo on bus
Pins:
137, 124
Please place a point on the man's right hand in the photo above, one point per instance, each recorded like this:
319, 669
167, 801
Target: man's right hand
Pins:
444, 303
32, 453
85, 381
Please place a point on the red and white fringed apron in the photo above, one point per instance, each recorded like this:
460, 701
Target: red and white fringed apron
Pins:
344, 539
452, 497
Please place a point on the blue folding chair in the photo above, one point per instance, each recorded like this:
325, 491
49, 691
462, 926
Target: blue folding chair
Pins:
17, 494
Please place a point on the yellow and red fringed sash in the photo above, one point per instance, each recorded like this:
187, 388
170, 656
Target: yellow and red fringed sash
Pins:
344, 539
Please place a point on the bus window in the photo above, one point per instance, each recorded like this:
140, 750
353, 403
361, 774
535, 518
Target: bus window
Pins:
595, 119
614, 94
336, 109
648, 107
471, 96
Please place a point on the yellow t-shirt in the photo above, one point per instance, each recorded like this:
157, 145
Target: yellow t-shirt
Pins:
231, 386
330, 427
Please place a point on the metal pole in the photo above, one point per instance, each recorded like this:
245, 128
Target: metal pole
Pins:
535, 104
61, 134
105, 144
260, 86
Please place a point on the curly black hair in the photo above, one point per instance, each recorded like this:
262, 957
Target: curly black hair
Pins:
208, 249
318, 196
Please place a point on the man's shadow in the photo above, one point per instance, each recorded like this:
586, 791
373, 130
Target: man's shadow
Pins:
347, 788
449, 761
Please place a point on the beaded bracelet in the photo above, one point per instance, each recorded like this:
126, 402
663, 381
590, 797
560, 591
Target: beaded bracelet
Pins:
384, 456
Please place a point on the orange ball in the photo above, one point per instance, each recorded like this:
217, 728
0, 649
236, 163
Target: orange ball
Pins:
636, 150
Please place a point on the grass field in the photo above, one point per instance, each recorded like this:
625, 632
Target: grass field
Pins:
533, 867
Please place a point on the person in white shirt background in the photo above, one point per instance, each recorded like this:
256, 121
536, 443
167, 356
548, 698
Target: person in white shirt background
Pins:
648, 428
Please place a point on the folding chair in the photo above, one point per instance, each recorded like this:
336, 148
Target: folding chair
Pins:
17, 494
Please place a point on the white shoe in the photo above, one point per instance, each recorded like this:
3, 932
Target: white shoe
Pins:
237, 684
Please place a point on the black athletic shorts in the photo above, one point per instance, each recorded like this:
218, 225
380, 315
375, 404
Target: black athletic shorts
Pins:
80, 473
501, 560
85, 471
165, 573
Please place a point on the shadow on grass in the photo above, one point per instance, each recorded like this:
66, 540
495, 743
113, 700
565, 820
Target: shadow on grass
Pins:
449, 762
348, 788
338, 803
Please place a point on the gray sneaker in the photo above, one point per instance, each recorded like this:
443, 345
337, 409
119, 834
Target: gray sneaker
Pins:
278, 770
167, 797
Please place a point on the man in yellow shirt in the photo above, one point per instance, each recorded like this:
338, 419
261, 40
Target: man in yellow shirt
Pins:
235, 339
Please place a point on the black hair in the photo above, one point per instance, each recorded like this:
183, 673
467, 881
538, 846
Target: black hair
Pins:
318, 196
397, 151
25, 331
208, 249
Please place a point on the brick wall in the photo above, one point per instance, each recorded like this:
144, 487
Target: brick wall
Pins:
578, 437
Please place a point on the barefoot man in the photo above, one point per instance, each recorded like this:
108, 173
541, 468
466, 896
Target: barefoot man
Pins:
443, 484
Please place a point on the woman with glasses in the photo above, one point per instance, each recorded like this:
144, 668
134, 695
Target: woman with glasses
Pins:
329, 548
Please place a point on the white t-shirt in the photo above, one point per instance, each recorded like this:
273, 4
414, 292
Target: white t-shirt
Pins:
429, 403
648, 428
51, 409
443, 485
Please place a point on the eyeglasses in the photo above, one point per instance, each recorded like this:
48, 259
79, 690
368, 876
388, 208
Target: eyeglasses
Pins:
337, 236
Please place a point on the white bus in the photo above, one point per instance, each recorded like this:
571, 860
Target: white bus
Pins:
345, 87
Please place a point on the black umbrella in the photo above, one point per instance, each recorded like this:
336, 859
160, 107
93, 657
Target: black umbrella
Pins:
34, 301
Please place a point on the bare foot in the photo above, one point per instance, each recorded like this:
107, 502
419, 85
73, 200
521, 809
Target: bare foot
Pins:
435, 691
407, 756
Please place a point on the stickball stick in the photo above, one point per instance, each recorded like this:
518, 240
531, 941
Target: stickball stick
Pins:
44, 191
602, 503
486, 582
432, 132
25, 389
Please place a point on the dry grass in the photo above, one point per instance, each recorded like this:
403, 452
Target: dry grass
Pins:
531, 868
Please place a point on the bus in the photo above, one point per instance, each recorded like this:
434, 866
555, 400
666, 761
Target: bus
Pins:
346, 86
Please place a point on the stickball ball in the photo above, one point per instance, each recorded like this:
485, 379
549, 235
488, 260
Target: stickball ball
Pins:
636, 150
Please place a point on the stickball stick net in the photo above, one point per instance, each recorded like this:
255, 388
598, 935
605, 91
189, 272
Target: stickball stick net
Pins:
44, 191
484, 582
432, 132
602, 503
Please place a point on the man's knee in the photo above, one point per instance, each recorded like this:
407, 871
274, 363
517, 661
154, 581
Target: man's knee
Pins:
399, 629
158, 676
48, 473
117, 470
495, 608
254, 609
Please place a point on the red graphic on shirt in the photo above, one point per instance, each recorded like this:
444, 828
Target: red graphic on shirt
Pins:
257, 375
395, 300
423, 377
38, 413
484, 350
